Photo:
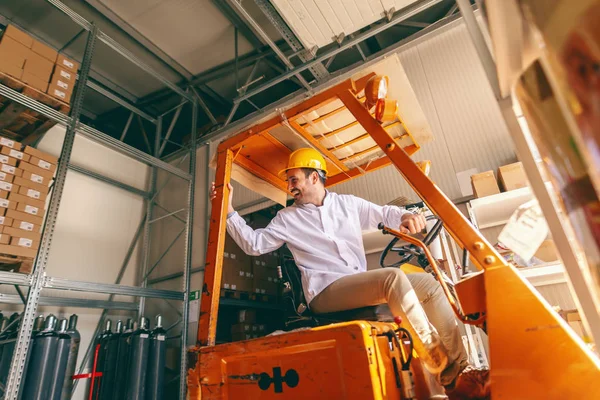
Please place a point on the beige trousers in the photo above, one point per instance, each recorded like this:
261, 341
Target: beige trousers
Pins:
419, 300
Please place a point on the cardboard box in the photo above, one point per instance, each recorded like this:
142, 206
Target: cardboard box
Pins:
24, 242
234, 278
45, 51
29, 209
63, 74
62, 83
6, 221
19, 198
29, 192
18, 35
18, 251
10, 143
4, 238
4, 159
16, 154
7, 187
30, 184
247, 316
4, 194
9, 68
35, 82
10, 205
67, 63
44, 164
35, 178
25, 166
59, 93
6, 177
38, 66
512, 176
13, 51
484, 184
547, 251
21, 216
26, 226
9, 169
16, 232
243, 328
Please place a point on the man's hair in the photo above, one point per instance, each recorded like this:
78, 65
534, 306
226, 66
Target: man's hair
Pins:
320, 173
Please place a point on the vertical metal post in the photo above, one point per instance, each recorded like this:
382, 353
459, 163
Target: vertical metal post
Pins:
237, 69
149, 207
188, 256
21, 353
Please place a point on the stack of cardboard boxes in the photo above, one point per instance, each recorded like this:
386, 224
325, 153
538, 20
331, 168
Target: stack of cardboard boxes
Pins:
247, 326
511, 177
25, 176
247, 274
36, 64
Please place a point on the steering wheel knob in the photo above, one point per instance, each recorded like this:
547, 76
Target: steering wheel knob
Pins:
398, 320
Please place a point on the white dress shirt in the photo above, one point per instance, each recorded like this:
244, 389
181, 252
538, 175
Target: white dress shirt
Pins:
326, 241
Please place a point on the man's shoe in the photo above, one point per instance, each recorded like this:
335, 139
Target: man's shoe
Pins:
470, 384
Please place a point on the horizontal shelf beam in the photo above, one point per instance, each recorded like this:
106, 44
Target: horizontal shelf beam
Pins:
110, 181
109, 288
27, 101
73, 302
15, 278
121, 147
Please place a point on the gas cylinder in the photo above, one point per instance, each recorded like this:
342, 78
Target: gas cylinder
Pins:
111, 348
121, 374
140, 345
7, 350
41, 366
62, 357
156, 362
72, 360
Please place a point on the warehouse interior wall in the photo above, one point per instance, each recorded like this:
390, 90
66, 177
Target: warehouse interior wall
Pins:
95, 226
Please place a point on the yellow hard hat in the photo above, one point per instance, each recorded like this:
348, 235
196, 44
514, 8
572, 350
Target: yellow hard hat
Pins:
304, 158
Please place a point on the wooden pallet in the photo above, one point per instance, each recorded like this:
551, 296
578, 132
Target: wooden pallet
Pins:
18, 122
16, 263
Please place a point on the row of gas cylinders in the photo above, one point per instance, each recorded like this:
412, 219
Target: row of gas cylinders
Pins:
131, 359
52, 360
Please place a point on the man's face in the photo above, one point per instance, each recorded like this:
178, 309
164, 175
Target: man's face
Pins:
302, 188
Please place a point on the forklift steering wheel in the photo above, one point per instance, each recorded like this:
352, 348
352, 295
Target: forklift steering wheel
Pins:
409, 251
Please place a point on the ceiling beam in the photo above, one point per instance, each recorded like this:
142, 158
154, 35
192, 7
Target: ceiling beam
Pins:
141, 39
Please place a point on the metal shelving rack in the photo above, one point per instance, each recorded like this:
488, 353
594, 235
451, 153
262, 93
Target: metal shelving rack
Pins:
37, 280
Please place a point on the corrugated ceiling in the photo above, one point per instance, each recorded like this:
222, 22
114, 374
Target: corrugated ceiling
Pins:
319, 22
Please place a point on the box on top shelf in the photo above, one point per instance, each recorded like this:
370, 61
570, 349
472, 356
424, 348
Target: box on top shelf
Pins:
484, 184
36, 178
38, 66
8, 187
45, 51
18, 35
60, 94
64, 75
6, 142
8, 204
22, 216
19, 155
41, 155
6, 177
67, 63
26, 200
11, 170
29, 192
512, 176
4, 238
35, 82
6, 221
30, 184
17, 232
27, 166
26, 226
18, 251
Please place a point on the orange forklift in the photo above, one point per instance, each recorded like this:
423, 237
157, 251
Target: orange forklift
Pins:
533, 352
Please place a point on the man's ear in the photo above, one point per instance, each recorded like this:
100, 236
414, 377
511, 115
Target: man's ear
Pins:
314, 177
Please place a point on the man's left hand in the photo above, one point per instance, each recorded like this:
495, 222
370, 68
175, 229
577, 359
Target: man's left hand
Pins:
412, 223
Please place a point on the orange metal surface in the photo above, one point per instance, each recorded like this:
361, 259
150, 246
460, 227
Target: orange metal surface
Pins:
315, 143
211, 290
339, 361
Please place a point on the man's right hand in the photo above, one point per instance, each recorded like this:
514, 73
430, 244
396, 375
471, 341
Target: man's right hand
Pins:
213, 194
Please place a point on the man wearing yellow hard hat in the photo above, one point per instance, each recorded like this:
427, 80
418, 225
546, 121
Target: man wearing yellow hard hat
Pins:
323, 230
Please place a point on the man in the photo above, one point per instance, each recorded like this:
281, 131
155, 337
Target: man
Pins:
323, 231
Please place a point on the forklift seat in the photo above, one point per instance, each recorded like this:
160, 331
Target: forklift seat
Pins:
299, 314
